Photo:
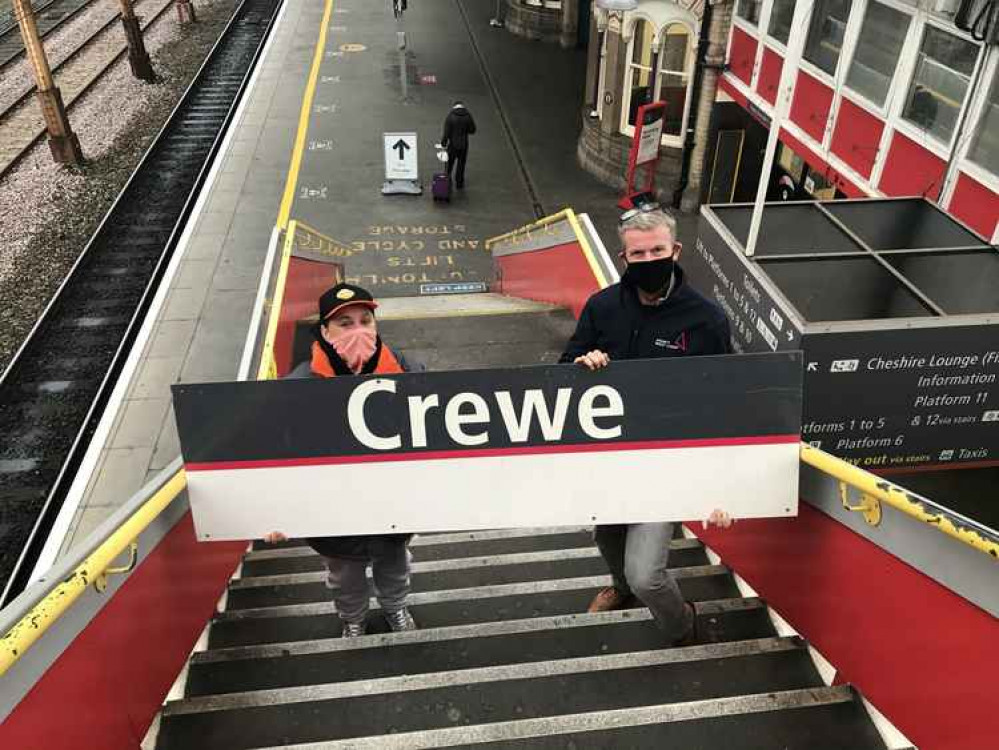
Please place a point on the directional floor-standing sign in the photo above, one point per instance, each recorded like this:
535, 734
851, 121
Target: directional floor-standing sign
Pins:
401, 165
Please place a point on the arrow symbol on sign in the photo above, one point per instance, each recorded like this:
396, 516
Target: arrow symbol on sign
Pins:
401, 145
813, 367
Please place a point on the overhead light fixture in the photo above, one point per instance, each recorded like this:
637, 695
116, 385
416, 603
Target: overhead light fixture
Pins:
619, 5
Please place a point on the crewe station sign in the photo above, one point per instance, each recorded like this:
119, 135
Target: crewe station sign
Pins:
536, 446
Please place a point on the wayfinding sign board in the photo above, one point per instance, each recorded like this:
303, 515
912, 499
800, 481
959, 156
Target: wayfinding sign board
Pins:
651, 440
400, 156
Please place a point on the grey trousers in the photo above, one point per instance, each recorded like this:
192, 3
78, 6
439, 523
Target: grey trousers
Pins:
351, 590
637, 555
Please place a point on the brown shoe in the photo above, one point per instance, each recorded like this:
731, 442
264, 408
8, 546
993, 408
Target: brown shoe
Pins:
609, 599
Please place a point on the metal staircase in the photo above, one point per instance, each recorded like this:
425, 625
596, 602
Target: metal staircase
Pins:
506, 656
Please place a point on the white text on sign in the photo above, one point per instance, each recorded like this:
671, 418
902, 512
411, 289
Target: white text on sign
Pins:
465, 410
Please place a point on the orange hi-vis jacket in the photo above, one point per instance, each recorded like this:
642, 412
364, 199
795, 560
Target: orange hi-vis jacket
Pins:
320, 365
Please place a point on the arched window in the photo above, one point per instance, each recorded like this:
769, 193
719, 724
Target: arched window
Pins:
672, 60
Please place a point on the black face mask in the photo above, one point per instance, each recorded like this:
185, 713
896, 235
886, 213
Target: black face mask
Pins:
651, 276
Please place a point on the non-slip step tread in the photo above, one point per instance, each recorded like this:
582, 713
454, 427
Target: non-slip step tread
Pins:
628, 631
302, 559
346, 710
449, 574
829, 718
539, 599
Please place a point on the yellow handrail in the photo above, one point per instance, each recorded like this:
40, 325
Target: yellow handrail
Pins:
569, 216
897, 497
33, 625
562, 215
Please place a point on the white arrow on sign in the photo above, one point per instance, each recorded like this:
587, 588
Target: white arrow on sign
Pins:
400, 156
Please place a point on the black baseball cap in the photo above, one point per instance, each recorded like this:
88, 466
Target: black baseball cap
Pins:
341, 296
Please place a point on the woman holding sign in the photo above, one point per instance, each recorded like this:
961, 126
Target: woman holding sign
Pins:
347, 343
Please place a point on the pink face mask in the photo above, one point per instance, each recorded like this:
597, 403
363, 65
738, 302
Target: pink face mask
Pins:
355, 346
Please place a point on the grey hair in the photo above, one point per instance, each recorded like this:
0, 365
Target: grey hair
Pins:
648, 221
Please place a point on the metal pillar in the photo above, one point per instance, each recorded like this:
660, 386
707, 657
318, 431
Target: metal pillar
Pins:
63, 143
142, 66
400, 32
185, 11
795, 48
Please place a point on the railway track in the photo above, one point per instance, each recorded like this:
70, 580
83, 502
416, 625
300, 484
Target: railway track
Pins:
50, 15
55, 389
21, 123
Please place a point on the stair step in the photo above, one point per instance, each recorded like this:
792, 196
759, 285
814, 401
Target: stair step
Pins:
827, 718
436, 575
460, 647
435, 609
432, 539
445, 699
302, 558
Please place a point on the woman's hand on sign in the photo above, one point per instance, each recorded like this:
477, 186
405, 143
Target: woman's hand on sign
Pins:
593, 360
274, 537
718, 518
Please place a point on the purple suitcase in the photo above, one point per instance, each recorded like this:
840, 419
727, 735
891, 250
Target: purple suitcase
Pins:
440, 187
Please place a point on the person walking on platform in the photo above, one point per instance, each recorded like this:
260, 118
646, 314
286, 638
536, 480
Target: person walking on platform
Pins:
458, 125
651, 313
347, 343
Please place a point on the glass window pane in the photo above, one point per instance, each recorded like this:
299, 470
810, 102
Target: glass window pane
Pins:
878, 48
749, 10
641, 50
641, 92
673, 90
780, 20
676, 41
825, 33
985, 147
943, 69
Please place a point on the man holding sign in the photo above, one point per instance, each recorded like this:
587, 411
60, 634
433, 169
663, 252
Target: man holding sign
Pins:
651, 313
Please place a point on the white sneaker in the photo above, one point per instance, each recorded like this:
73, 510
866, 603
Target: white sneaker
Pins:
401, 620
354, 629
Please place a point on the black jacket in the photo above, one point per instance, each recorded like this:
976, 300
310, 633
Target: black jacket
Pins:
457, 127
617, 323
351, 547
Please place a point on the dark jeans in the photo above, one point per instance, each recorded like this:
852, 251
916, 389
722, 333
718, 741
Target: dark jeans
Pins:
637, 555
456, 158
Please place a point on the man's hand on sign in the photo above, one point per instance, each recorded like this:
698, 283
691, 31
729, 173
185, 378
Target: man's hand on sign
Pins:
274, 537
718, 518
593, 360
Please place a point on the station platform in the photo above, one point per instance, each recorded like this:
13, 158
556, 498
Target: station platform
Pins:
307, 145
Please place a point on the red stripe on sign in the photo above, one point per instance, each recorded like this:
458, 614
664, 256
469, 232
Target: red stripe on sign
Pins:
527, 450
